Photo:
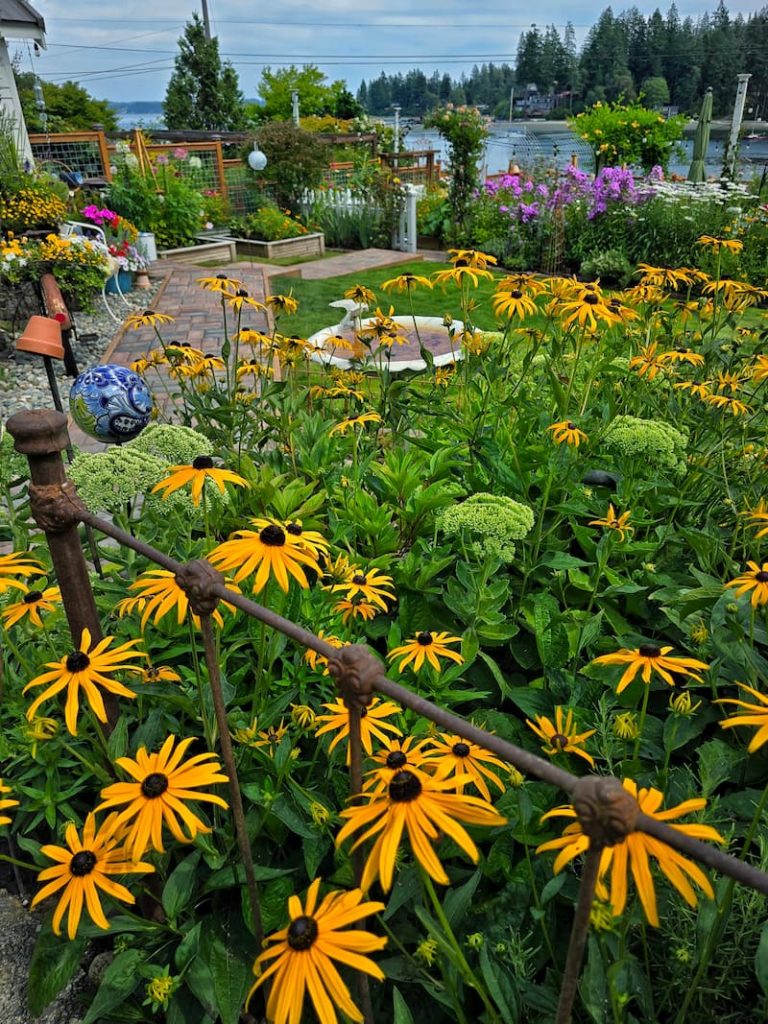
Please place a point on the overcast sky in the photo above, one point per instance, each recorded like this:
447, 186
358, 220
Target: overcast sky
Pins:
120, 51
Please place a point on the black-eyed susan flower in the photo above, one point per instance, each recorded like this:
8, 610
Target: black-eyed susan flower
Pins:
461, 272
162, 786
395, 756
373, 723
634, 852
619, 524
355, 608
648, 362
648, 659
682, 355
282, 304
471, 258
159, 674
158, 593
5, 803
312, 541
700, 389
624, 725
303, 956
727, 404
424, 810
303, 716
729, 244
30, 606
567, 432
83, 868
451, 756
426, 646
40, 730
240, 299
370, 584
523, 282
86, 669
270, 550
203, 367
755, 715
314, 659
148, 318
196, 475
221, 283
360, 294
406, 283
561, 736
353, 422
18, 563
756, 580
665, 277
254, 369
588, 310
758, 517
513, 303
760, 369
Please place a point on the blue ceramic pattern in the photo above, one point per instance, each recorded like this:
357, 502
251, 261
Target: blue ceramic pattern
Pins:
110, 403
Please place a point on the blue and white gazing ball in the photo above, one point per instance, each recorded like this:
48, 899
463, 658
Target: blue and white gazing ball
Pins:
111, 403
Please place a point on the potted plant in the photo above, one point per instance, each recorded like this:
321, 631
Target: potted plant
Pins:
121, 237
271, 232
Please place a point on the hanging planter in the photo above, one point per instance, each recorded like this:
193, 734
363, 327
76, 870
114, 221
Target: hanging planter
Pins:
123, 283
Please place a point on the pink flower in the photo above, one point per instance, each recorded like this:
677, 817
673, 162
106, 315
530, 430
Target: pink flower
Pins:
180, 153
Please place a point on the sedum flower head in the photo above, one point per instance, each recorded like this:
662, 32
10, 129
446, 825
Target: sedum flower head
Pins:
172, 442
107, 480
657, 444
13, 466
492, 522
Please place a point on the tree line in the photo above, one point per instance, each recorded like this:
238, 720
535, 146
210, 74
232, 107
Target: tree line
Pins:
668, 59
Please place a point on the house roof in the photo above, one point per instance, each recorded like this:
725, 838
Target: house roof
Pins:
19, 15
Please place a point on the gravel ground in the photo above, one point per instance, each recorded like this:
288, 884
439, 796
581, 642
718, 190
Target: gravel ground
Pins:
23, 382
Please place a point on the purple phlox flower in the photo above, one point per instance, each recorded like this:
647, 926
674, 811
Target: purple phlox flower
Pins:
528, 211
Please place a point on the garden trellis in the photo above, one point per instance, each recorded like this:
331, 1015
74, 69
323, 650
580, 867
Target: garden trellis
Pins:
606, 812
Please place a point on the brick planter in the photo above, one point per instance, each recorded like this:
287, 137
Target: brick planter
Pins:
286, 248
222, 249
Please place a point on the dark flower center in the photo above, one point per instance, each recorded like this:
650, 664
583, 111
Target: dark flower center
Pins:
202, 462
649, 651
424, 639
273, 536
460, 749
404, 787
221, 277
241, 293
154, 785
396, 759
559, 740
762, 576
82, 863
32, 597
294, 529
302, 932
151, 673
359, 580
591, 299
77, 661
516, 294
148, 312
570, 425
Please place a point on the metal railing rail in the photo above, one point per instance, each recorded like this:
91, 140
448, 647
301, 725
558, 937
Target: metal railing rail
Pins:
606, 812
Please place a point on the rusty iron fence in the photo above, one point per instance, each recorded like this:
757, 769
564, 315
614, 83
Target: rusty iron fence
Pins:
606, 812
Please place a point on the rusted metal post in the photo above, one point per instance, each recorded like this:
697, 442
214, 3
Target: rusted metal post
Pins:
41, 435
579, 931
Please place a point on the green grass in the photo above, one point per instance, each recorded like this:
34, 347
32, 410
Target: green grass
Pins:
314, 312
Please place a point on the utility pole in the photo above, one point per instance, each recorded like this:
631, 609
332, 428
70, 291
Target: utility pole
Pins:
738, 115
206, 20
295, 106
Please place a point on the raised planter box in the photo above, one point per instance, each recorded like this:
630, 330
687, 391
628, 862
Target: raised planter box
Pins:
286, 248
223, 249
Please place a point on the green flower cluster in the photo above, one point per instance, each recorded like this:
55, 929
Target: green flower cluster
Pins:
647, 441
13, 466
492, 523
177, 445
107, 481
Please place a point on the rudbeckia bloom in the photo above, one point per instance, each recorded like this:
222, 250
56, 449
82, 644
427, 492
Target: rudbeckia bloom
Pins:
220, 283
665, 277
649, 658
561, 737
313, 659
82, 868
202, 469
728, 404
33, 602
159, 674
634, 853
682, 355
567, 431
471, 258
757, 715
370, 584
587, 310
730, 244
282, 304
698, 388
86, 668
158, 593
360, 294
5, 804
427, 646
425, 811
271, 550
372, 723
513, 303
149, 318
303, 955
755, 580
460, 272
648, 362
406, 283
355, 608
759, 518
242, 298
18, 563
613, 522
310, 540
162, 785
454, 757
396, 756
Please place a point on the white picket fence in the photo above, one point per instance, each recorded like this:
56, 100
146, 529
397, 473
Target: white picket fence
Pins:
405, 236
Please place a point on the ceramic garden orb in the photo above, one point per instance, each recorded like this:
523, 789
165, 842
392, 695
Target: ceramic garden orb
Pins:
111, 403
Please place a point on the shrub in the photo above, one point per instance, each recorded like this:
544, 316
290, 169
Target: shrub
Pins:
295, 161
465, 130
628, 133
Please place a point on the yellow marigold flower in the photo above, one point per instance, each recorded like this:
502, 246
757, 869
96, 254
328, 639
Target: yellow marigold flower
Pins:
372, 723
756, 715
620, 524
82, 868
303, 956
649, 658
426, 646
422, 809
158, 593
18, 563
5, 804
407, 283
634, 851
87, 668
149, 318
561, 736
567, 431
201, 470
33, 602
271, 550
162, 784
451, 756
755, 580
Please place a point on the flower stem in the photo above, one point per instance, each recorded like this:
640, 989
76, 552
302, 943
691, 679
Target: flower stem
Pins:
641, 724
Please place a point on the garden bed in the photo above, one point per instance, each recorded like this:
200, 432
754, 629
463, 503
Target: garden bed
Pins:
284, 248
222, 249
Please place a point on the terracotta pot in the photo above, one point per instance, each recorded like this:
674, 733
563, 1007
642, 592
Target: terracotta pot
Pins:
42, 335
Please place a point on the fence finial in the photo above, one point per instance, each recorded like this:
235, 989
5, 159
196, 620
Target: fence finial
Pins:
354, 670
198, 579
607, 812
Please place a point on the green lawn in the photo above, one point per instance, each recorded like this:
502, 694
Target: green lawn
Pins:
315, 313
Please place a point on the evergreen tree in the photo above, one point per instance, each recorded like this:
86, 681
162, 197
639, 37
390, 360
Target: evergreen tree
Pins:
202, 94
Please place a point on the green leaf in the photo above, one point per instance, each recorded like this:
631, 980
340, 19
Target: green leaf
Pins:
562, 560
761, 959
501, 682
402, 1015
231, 979
499, 985
119, 982
180, 886
717, 760
592, 985
553, 887
456, 901
289, 816
117, 744
54, 963
314, 850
